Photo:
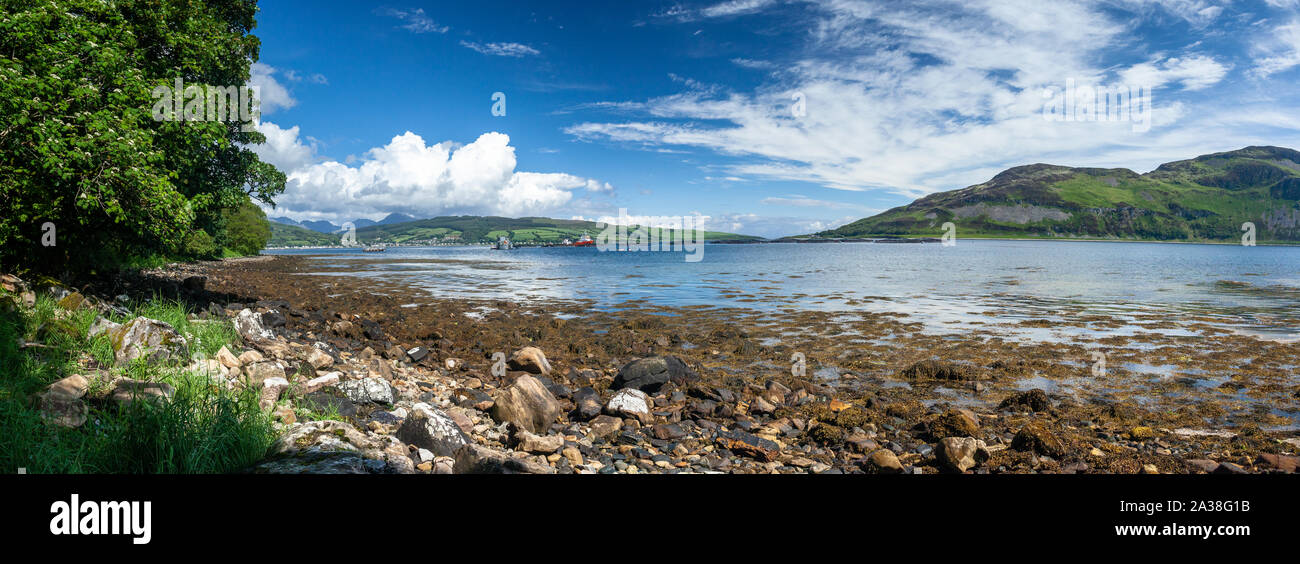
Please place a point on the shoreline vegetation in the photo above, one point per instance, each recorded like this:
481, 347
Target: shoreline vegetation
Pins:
334, 375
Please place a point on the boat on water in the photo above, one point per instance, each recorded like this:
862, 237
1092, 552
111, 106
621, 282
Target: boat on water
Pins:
502, 244
374, 249
584, 241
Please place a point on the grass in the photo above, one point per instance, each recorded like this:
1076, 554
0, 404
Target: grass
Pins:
204, 428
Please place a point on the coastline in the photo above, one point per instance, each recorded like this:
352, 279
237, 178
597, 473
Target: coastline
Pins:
735, 403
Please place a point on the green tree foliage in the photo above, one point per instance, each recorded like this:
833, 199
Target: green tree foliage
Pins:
79, 147
247, 230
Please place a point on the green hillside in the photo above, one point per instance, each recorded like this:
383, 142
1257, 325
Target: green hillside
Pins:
293, 236
1207, 198
468, 229
481, 229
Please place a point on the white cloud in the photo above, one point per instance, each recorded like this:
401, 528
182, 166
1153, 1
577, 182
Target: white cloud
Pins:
734, 7
1278, 51
416, 21
516, 50
1194, 72
273, 95
917, 97
408, 176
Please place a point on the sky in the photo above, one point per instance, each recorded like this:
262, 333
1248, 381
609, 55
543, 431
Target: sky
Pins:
764, 117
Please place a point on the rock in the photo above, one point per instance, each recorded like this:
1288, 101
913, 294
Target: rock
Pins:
573, 455
73, 301
149, 339
250, 356
476, 459
249, 326
603, 426
332, 447
630, 402
74, 386
884, 461
59, 408
861, 443
429, 428
272, 318
1230, 468
227, 358
952, 423
417, 354
587, 402
319, 359
319, 382
960, 453
271, 390
667, 432
127, 391
1032, 400
1278, 462
103, 326
258, 372
749, 445
531, 360
650, 374
369, 390
538, 444
526, 403
1034, 437
1150, 469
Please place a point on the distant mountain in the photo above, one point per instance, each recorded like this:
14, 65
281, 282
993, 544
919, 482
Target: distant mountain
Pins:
323, 226
394, 218
1207, 198
475, 229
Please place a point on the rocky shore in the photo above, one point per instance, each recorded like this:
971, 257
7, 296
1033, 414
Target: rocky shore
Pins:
371, 376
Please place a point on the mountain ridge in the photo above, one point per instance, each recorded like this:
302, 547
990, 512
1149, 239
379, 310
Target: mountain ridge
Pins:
1205, 198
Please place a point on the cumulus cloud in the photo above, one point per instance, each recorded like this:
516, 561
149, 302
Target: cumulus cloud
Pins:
273, 95
515, 50
409, 176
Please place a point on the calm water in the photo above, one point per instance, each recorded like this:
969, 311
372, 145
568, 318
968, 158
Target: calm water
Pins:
944, 287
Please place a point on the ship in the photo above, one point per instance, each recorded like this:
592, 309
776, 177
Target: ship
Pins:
584, 241
374, 249
503, 244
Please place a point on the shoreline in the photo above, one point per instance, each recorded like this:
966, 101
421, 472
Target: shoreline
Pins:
735, 403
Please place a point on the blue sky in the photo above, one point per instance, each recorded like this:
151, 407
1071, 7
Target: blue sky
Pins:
768, 117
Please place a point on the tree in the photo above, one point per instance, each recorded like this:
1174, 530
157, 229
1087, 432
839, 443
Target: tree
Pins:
79, 147
247, 229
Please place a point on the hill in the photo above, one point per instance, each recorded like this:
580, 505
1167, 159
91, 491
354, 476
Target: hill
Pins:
468, 229
283, 235
1207, 198
481, 229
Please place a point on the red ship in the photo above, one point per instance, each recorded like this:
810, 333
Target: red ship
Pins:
584, 241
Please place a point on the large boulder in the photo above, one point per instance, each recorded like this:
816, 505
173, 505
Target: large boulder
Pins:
526, 403
587, 403
630, 403
61, 404
650, 374
477, 459
1036, 437
333, 447
369, 390
429, 428
250, 328
149, 339
531, 360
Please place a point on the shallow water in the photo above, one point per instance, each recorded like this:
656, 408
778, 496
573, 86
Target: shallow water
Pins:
953, 290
